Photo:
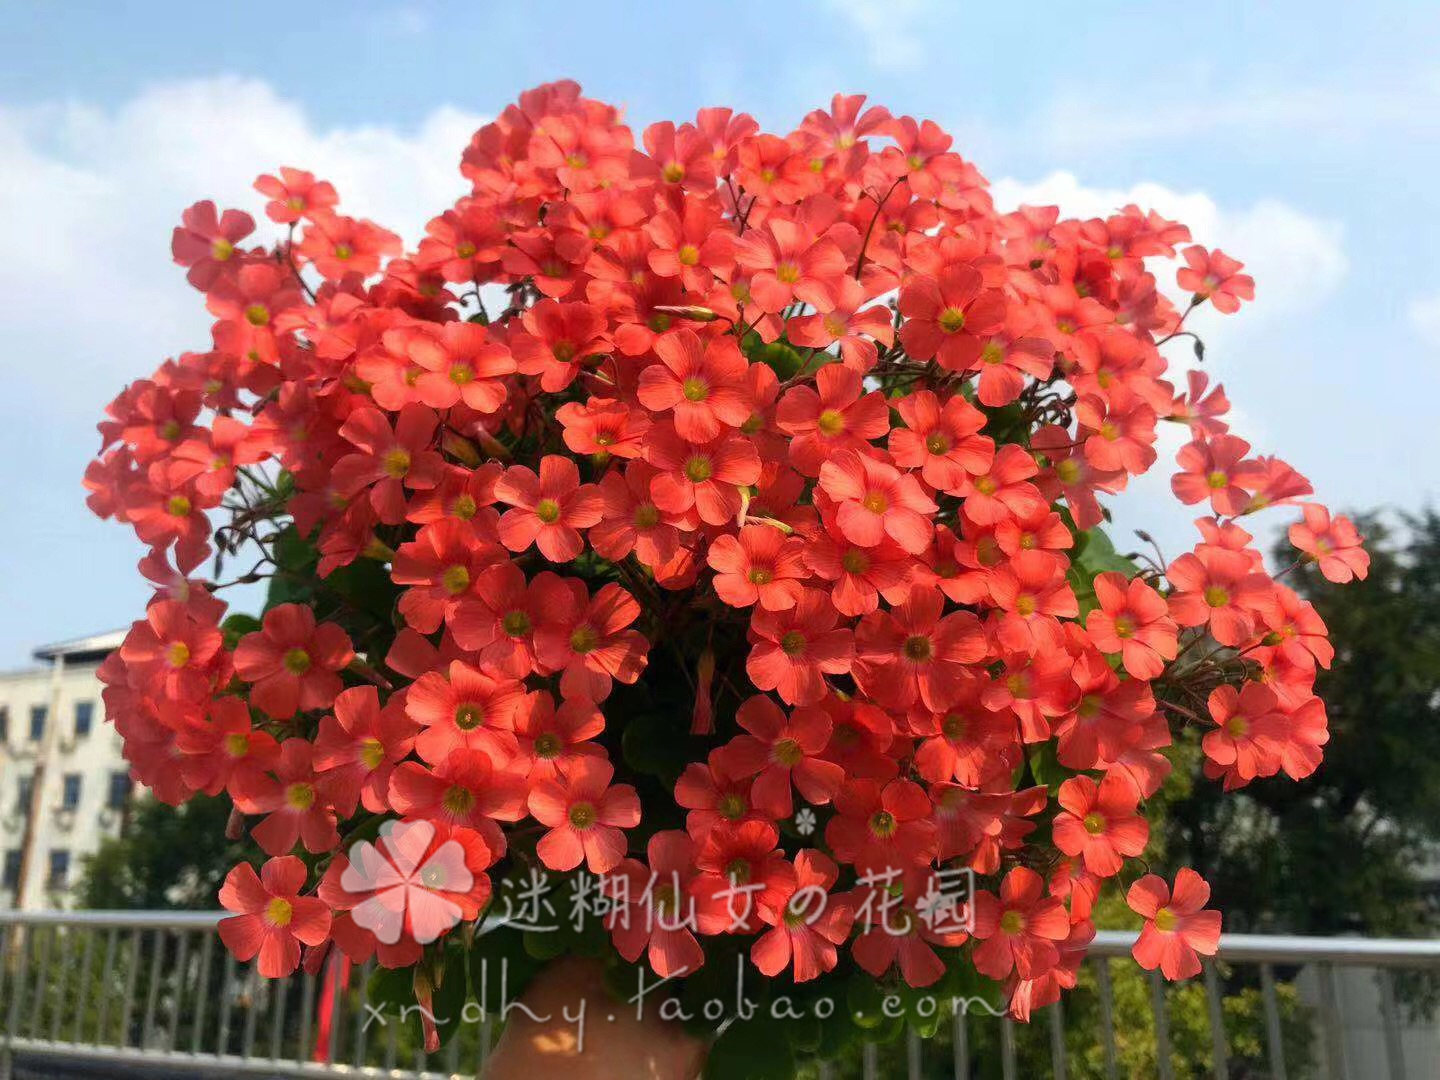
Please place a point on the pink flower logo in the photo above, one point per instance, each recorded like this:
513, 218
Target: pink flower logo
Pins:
405, 887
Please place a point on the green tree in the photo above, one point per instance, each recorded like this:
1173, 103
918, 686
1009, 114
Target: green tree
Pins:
166, 857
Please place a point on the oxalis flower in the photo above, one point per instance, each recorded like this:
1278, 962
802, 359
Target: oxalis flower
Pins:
749, 556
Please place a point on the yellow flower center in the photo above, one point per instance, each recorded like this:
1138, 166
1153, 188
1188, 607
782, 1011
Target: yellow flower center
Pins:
583, 815
952, 320
372, 753
1216, 596
458, 800
787, 752
279, 912
455, 580
396, 463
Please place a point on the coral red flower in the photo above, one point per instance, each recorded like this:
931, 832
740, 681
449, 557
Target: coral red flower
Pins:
1019, 930
761, 564
557, 341
1244, 743
272, 919
788, 261
587, 639
941, 441
902, 931
584, 814
878, 828
174, 650
875, 500
657, 907
207, 242
948, 317
1133, 620
1178, 929
389, 461
549, 510
742, 868
464, 708
1334, 544
468, 788
292, 663
913, 653
222, 745
441, 565
833, 416
796, 648
295, 809
807, 923
337, 245
701, 382
295, 194
1214, 276
706, 476
1004, 489
1221, 589
778, 750
358, 747
462, 363
1100, 823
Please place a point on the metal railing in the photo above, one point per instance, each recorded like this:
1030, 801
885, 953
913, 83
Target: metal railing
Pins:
157, 989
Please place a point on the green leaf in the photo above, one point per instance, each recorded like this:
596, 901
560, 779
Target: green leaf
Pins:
1046, 767
755, 1049
783, 359
236, 627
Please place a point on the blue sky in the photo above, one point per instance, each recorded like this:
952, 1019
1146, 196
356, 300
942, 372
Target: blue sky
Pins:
1301, 137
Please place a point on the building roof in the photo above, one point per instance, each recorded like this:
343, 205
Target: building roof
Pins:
79, 650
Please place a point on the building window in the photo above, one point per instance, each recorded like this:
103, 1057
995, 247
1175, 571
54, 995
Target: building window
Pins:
119, 790
70, 793
37, 722
84, 717
11, 879
4, 723
59, 869
23, 789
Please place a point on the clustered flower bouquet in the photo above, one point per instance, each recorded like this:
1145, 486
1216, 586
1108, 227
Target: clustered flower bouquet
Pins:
713, 530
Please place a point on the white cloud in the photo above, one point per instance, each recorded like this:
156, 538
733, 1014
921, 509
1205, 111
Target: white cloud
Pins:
894, 30
1424, 315
1297, 260
90, 197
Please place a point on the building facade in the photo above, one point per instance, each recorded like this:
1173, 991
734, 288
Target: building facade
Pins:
53, 733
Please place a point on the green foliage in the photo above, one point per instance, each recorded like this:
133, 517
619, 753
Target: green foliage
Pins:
165, 857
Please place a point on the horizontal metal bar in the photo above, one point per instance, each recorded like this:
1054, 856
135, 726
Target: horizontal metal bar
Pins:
128, 920
1279, 948
215, 1065
1297, 949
